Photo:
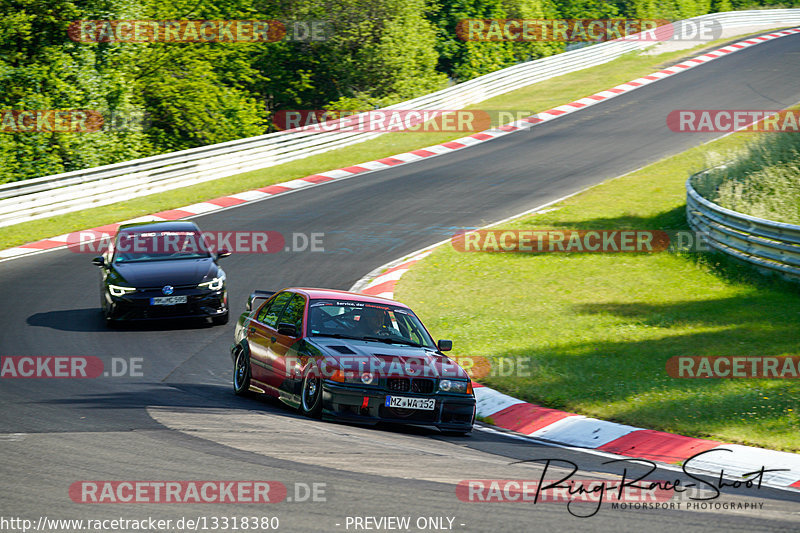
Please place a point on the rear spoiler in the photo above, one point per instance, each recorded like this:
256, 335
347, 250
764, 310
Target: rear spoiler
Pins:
257, 295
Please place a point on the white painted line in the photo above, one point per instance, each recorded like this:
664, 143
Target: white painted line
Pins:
202, 207
14, 252
373, 165
584, 432
391, 276
296, 184
746, 459
249, 196
145, 218
335, 174
407, 157
490, 401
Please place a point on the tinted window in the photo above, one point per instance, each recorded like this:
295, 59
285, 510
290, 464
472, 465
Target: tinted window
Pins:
293, 314
268, 314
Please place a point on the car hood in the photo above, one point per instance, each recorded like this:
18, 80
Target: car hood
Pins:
389, 359
159, 273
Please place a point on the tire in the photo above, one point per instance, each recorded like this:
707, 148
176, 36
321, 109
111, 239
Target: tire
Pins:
220, 320
241, 373
311, 394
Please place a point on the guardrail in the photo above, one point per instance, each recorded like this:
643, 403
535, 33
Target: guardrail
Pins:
772, 246
73, 191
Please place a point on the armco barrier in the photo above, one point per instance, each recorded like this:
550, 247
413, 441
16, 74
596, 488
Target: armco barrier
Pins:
769, 245
73, 191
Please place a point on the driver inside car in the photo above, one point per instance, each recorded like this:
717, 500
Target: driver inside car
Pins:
374, 321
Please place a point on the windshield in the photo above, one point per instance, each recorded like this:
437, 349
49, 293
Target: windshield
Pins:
133, 247
366, 321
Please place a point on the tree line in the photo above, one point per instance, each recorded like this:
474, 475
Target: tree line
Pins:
159, 97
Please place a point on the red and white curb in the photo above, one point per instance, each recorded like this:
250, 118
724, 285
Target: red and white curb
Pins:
210, 206
580, 431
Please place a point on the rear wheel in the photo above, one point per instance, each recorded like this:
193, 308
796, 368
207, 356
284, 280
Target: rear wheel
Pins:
311, 400
241, 373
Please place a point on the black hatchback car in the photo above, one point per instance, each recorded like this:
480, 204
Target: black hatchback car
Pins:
156, 270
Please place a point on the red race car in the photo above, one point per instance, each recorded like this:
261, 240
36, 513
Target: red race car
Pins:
352, 357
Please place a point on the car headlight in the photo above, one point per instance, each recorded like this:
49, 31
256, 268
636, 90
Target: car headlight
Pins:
213, 285
117, 290
350, 376
449, 385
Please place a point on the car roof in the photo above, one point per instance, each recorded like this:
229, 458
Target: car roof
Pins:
166, 225
332, 294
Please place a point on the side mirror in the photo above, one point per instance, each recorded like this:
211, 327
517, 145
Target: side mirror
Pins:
444, 345
223, 253
99, 261
290, 330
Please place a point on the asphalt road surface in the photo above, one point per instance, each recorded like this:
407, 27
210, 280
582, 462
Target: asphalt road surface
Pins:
180, 421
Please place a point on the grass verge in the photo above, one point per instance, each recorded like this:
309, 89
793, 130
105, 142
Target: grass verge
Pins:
534, 98
597, 329
762, 181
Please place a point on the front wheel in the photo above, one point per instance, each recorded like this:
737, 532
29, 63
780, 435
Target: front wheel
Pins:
311, 400
241, 373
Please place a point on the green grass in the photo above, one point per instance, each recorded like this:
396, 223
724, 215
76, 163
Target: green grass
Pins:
534, 98
597, 329
763, 180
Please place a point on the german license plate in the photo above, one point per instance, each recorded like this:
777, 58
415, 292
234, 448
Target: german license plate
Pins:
168, 300
403, 402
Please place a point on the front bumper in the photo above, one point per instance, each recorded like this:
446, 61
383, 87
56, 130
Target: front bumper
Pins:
453, 412
137, 305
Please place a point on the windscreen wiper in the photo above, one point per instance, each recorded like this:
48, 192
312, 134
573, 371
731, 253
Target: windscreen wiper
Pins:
390, 340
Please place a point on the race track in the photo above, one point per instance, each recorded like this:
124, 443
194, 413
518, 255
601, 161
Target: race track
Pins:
180, 420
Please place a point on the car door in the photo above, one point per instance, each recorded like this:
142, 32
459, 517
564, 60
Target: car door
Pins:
282, 358
260, 332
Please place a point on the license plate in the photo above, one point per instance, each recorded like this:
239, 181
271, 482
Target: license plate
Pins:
168, 300
424, 404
